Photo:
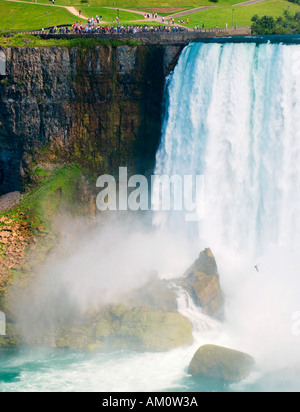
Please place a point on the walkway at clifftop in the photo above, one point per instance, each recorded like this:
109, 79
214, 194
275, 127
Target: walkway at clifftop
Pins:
180, 37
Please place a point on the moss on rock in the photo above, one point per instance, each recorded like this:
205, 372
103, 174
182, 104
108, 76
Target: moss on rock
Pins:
155, 295
123, 327
155, 331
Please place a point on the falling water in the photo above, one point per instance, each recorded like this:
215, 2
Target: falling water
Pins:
233, 115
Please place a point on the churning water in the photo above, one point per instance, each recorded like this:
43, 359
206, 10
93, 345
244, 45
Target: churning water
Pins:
232, 115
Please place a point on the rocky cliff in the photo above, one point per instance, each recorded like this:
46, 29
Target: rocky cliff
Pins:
100, 106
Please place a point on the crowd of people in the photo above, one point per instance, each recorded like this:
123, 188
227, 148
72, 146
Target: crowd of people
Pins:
79, 28
154, 15
94, 26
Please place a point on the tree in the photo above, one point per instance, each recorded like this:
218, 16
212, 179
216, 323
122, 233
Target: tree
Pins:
267, 25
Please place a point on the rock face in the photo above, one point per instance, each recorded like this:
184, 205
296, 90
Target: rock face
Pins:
155, 295
222, 364
8, 201
100, 107
131, 328
203, 284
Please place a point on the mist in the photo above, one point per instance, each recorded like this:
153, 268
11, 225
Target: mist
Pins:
97, 264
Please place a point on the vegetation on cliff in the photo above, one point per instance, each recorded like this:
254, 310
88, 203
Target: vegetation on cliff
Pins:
27, 228
232, 13
27, 40
287, 24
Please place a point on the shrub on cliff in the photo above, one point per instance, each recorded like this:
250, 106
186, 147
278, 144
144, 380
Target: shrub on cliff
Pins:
267, 25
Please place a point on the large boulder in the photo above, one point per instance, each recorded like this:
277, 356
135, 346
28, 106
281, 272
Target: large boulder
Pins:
221, 364
142, 329
206, 263
155, 295
202, 282
137, 328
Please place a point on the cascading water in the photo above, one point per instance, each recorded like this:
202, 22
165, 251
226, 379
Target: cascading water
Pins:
233, 116
201, 323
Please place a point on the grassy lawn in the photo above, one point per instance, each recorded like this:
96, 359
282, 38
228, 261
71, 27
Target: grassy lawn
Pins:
143, 5
242, 15
27, 16
107, 14
30, 16
133, 4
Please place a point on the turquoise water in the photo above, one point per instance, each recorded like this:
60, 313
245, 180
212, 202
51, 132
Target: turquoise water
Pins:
232, 114
41, 370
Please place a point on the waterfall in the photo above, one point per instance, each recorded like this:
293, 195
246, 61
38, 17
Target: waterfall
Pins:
233, 116
201, 323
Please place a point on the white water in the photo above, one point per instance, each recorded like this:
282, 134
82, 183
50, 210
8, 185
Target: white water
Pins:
234, 116
112, 372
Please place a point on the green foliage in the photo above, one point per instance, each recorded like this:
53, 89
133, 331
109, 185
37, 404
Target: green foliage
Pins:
27, 40
223, 13
53, 190
294, 1
267, 25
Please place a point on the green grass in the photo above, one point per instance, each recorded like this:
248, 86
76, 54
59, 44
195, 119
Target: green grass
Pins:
132, 4
143, 5
107, 14
28, 17
242, 15
43, 202
27, 40
31, 16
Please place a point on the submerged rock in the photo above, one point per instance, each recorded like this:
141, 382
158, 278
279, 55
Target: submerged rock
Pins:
222, 364
203, 284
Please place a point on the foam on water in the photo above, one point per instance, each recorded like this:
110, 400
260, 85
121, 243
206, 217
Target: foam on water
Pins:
232, 115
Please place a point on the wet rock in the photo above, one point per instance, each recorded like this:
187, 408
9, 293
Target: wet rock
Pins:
202, 283
221, 364
155, 295
206, 263
140, 329
8, 201
126, 59
123, 327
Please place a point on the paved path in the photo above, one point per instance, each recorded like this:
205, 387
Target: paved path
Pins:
196, 10
75, 12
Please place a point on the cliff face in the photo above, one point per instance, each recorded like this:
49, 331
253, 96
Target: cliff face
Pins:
100, 106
